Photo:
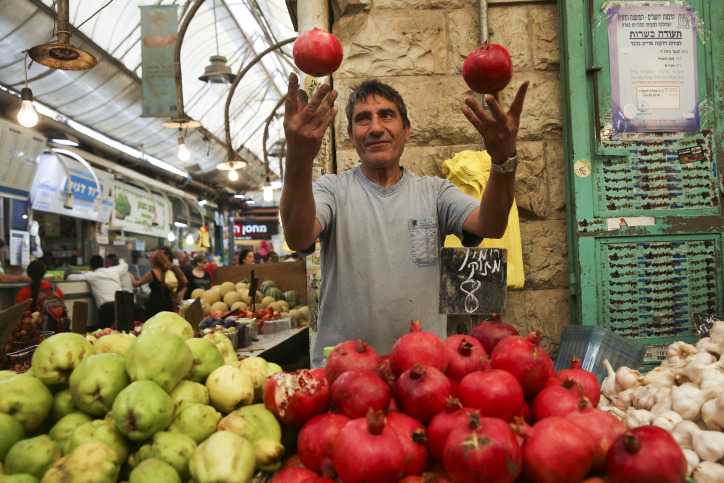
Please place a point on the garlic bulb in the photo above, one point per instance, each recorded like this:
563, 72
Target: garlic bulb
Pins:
710, 417
663, 401
638, 417
695, 366
708, 345
709, 445
708, 472
687, 400
712, 381
692, 461
677, 353
604, 403
608, 386
716, 333
626, 378
644, 397
684, 432
623, 399
667, 420
660, 377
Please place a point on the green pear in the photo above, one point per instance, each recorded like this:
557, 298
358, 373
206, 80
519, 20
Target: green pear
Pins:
11, 431
223, 343
229, 387
96, 382
18, 478
175, 449
57, 356
62, 404
161, 357
26, 399
189, 392
32, 456
154, 471
206, 358
198, 421
170, 323
142, 409
92, 462
63, 429
117, 343
225, 457
260, 427
102, 430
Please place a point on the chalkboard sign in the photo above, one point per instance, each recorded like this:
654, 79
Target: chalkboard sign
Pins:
472, 280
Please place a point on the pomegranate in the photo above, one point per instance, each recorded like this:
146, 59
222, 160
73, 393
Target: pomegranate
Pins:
293, 475
454, 416
647, 454
586, 379
488, 68
560, 400
317, 53
354, 392
494, 393
368, 450
294, 397
418, 347
484, 450
352, 354
413, 439
421, 392
603, 428
525, 413
522, 357
491, 331
315, 440
384, 370
557, 451
294, 461
465, 355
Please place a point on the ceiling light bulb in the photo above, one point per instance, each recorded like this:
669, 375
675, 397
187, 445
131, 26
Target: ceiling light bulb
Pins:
171, 236
27, 116
233, 175
189, 239
183, 152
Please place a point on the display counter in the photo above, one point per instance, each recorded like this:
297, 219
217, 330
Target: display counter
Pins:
8, 292
288, 348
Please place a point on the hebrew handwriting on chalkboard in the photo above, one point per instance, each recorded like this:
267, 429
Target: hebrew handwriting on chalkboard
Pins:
472, 280
478, 262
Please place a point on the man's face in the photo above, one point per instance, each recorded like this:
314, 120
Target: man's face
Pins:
377, 132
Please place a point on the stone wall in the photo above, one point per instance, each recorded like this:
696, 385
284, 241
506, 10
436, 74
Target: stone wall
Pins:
418, 46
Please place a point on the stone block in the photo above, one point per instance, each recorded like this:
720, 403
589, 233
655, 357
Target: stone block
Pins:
463, 30
545, 311
434, 107
423, 4
556, 175
541, 116
393, 43
545, 253
544, 48
509, 26
531, 190
350, 7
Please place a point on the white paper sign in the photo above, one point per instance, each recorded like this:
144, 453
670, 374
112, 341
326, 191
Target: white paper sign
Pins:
139, 211
19, 248
652, 52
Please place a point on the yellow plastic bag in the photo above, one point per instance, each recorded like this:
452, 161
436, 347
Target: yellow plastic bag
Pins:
469, 171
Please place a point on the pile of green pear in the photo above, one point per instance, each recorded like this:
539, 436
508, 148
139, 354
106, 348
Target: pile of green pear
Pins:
161, 407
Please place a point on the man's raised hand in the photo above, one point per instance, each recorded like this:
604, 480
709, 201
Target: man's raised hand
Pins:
306, 120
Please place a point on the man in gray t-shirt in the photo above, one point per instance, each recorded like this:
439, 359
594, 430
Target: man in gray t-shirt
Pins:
380, 226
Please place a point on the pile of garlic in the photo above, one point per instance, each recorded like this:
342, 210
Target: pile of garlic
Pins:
684, 395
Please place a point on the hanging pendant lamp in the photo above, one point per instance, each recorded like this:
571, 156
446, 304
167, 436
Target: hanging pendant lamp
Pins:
61, 54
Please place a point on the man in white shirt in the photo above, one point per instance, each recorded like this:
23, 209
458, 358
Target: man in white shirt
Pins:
112, 260
104, 282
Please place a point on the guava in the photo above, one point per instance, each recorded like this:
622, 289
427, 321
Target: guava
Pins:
102, 430
159, 356
171, 323
96, 382
206, 358
142, 409
57, 356
189, 392
18, 478
116, 343
11, 431
32, 456
225, 457
258, 425
154, 471
229, 387
62, 404
63, 429
175, 449
198, 421
224, 345
7, 374
26, 399
92, 462
273, 368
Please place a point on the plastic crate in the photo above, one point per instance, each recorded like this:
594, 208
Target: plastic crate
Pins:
593, 345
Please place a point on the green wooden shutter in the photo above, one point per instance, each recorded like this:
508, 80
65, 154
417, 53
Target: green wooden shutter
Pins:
645, 282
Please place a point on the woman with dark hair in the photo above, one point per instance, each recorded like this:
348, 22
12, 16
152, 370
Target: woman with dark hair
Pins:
38, 285
199, 275
246, 256
162, 297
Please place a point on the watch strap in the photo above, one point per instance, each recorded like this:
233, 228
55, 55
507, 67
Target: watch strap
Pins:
507, 166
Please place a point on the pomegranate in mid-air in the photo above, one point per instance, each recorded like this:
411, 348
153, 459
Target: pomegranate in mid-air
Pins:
317, 53
488, 68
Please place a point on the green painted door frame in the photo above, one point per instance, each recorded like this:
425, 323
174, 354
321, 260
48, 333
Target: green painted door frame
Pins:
644, 209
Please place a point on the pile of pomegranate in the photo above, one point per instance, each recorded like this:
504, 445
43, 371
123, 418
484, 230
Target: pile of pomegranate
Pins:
484, 407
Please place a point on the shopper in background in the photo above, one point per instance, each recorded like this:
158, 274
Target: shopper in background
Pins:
185, 263
38, 285
126, 277
246, 257
211, 268
162, 297
180, 291
199, 276
272, 257
104, 282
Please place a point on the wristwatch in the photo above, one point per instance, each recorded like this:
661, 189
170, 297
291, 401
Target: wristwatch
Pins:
507, 166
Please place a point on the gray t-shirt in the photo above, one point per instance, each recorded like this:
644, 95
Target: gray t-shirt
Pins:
380, 255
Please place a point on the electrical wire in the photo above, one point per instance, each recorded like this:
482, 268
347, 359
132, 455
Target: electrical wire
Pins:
94, 14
